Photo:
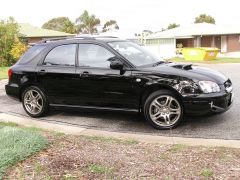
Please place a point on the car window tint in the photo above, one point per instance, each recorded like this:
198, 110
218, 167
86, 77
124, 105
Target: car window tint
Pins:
61, 55
31, 54
92, 55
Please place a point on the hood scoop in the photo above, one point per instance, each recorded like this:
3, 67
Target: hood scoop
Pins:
183, 66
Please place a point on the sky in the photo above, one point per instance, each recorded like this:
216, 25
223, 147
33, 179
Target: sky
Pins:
131, 15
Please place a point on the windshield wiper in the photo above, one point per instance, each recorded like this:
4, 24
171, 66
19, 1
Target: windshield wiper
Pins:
158, 63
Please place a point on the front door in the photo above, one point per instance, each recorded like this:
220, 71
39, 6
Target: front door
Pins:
99, 85
57, 74
218, 42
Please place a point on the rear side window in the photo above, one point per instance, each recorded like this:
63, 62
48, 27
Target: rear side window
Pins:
30, 54
63, 55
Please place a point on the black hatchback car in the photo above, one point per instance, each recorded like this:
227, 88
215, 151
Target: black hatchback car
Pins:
110, 73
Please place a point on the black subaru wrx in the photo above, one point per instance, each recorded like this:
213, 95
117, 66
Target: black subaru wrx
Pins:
110, 73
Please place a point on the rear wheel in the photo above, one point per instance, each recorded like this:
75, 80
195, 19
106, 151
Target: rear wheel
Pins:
163, 109
34, 102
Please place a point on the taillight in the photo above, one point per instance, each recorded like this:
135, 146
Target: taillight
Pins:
9, 73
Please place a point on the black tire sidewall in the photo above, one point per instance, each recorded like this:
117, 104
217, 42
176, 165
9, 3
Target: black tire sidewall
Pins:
149, 100
45, 102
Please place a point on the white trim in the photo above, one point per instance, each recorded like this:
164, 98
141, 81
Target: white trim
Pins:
223, 44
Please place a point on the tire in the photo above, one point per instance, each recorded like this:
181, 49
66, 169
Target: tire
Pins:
163, 109
34, 102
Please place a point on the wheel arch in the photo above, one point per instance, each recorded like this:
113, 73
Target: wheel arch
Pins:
155, 87
25, 86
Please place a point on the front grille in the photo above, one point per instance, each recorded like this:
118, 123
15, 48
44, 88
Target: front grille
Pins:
228, 85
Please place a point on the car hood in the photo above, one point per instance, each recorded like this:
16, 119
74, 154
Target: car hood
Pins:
188, 71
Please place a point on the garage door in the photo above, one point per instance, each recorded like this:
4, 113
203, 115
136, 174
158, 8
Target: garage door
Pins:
162, 47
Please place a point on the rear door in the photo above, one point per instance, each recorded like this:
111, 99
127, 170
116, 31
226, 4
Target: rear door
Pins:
57, 74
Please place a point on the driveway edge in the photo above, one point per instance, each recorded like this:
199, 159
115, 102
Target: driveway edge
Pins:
29, 122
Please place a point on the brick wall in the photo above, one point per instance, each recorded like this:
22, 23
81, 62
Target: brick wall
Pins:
206, 41
233, 43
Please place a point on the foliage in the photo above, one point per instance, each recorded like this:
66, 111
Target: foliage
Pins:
110, 25
8, 36
173, 25
18, 49
203, 18
17, 144
87, 23
62, 24
3, 74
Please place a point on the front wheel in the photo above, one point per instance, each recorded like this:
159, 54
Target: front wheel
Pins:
163, 110
34, 102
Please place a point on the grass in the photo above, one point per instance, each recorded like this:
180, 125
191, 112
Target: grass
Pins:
17, 144
4, 72
206, 172
177, 148
113, 140
218, 60
99, 169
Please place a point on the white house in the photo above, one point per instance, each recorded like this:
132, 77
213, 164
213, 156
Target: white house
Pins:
164, 43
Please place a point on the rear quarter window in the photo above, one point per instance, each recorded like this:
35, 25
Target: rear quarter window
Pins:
31, 54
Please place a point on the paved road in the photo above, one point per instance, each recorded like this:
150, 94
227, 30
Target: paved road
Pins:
223, 126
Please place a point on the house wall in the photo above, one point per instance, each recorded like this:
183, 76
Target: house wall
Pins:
233, 43
207, 41
34, 40
186, 42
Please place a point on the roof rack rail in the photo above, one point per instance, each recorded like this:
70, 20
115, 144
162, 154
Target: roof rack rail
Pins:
45, 40
106, 37
85, 37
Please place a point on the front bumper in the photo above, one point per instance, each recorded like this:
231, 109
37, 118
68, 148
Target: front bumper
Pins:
208, 103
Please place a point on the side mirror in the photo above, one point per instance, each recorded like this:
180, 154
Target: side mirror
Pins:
116, 64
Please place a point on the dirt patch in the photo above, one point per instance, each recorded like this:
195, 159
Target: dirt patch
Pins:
80, 157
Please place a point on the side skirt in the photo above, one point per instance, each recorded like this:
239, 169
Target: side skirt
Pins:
94, 107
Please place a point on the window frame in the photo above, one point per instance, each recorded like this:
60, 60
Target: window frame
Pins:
52, 48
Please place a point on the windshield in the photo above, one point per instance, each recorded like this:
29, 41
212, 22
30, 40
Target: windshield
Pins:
134, 53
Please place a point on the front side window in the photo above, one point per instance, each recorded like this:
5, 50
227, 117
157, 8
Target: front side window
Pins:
63, 55
91, 55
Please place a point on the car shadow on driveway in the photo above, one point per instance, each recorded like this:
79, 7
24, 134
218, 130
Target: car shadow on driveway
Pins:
119, 121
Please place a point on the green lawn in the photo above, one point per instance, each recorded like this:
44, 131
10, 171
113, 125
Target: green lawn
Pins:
218, 60
17, 143
4, 72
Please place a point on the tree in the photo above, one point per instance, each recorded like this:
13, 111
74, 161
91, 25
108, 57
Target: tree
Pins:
18, 49
8, 36
204, 18
62, 24
173, 25
110, 25
87, 23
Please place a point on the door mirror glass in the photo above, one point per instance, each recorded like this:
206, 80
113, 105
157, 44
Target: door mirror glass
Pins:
116, 63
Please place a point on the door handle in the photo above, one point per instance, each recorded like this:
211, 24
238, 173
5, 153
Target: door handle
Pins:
84, 74
42, 72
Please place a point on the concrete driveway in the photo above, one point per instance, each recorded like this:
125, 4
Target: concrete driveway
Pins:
222, 126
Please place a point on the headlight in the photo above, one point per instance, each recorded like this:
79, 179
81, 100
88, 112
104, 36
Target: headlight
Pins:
209, 86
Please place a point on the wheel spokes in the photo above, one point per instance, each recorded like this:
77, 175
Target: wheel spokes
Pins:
165, 110
33, 102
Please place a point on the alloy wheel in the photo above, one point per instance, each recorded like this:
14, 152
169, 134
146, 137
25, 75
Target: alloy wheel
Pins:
33, 102
165, 110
